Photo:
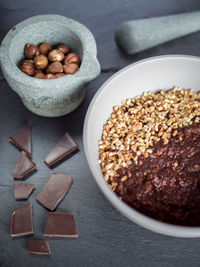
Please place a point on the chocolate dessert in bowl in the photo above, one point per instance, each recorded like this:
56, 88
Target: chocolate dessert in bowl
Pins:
144, 148
150, 154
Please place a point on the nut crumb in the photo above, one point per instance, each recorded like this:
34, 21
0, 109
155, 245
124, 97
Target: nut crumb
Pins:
139, 123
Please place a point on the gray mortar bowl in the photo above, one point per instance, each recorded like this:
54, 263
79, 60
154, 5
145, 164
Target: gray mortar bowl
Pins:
57, 97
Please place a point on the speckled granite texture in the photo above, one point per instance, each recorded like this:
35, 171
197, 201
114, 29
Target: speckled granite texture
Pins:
57, 97
138, 35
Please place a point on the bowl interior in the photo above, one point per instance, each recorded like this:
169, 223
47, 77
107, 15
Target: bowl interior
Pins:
51, 32
148, 75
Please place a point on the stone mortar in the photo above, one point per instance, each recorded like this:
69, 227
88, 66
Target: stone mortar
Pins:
50, 98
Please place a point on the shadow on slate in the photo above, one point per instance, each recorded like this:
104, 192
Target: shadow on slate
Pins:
176, 46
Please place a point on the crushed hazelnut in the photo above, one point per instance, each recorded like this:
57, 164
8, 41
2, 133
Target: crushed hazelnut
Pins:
139, 123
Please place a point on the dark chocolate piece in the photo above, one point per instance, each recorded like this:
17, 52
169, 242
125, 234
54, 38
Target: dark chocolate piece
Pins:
64, 147
23, 191
21, 223
39, 247
22, 139
60, 225
23, 167
54, 190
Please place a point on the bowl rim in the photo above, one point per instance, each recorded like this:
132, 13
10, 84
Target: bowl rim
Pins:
89, 59
129, 212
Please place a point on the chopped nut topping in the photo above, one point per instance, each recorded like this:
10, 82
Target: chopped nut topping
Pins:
176, 164
123, 178
139, 123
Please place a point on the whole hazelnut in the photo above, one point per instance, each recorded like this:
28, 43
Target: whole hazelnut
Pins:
58, 75
70, 68
40, 62
28, 69
72, 58
44, 49
55, 55
31, 51
55, 67
38, 71
49, 76
63, 48
27, 61
39, 75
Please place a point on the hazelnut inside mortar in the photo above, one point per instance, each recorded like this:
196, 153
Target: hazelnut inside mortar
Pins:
47, 62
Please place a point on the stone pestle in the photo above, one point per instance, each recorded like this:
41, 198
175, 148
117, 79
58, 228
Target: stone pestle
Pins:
138, 35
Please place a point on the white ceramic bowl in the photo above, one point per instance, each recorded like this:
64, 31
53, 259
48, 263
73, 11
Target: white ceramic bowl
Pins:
162, 72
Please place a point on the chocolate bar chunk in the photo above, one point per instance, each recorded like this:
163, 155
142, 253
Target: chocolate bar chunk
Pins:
60, 225
39, 247
64, 147
54, 190
23, 191
22, 139
23, 167
21, 223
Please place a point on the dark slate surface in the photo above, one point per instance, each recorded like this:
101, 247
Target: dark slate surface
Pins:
106, 237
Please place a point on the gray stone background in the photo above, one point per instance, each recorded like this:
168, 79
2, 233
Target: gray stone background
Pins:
106, 237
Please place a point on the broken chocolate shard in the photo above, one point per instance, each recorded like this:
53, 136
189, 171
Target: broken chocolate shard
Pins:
60, 225
23, 167
39, 247
64, 147
54, 190
22, 139
21, 223
23, 191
